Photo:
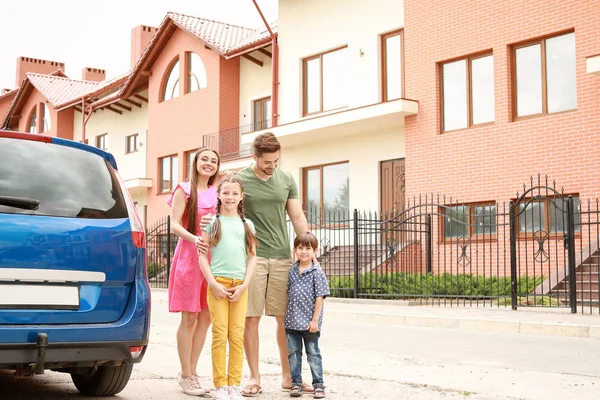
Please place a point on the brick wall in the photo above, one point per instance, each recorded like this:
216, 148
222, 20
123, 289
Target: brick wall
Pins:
177, 125
493, 162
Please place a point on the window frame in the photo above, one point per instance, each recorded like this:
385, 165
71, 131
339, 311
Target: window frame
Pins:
473, 237
513, 86
170, 69
135, 136
320, 168
384, 72
45, 117
547, 214
102, 138
33, 117
305, 61
468, 59
160, 171
263, 124
189, 73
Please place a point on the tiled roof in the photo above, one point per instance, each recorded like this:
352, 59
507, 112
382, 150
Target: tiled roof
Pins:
58, 90
224, 37
255, 36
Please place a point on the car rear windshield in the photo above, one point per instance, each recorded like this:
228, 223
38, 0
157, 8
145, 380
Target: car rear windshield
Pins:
67, 182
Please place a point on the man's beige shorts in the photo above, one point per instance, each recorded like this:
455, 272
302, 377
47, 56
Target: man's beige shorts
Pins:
267, 292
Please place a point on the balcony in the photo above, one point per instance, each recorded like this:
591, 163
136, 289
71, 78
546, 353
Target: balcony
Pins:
346, 122
228, 142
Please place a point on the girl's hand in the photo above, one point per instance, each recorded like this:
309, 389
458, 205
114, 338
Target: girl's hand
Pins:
235, 293
313, 327
218, 290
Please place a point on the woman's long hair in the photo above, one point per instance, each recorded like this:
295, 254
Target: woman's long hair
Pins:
215, 234
191, 208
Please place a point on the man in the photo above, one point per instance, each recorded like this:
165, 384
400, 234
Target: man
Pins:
268, 194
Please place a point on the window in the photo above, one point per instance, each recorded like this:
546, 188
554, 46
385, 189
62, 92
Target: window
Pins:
168, 173
189, 158
132, 143
45, 118
468, 92
31, 124
545, 76
469, 220
326, 190
548, 214
196, 73
68, 182
325, 81
261, 113
101, 142
392, 71
171, 89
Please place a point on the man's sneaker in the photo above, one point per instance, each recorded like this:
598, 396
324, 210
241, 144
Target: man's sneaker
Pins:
190, 386
235, 393
222, 393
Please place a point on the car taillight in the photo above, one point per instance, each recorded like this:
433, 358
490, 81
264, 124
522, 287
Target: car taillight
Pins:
136, 351
138, 235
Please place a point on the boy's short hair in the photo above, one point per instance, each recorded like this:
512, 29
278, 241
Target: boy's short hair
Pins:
307, 240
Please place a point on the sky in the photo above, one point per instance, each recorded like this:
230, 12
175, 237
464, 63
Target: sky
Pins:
82, 33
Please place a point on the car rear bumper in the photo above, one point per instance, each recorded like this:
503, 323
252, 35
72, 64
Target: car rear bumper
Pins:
70, 355
132, 327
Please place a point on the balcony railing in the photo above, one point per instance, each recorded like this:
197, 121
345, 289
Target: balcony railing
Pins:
227, 142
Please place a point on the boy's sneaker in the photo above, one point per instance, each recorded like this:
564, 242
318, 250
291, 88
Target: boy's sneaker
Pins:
190, 386
222, 393
235, 393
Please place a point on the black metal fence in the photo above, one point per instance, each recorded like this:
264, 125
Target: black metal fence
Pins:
438, 251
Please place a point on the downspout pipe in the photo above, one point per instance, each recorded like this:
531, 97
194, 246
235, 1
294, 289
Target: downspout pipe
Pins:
274, 70
84, 118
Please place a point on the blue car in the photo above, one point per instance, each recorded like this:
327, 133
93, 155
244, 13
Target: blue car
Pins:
74, 293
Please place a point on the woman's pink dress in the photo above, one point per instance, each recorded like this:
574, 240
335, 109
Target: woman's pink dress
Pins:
187, 286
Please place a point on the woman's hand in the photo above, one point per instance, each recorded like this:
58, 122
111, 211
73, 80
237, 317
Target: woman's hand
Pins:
205, 220
200, 244
235, 293
218, 290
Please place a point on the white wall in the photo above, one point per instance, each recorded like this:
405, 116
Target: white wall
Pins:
310, 27
118, 127
255, 83
363, 152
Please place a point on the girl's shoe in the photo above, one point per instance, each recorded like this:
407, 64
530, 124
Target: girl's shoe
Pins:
319, 393
222, 393
190, 386
235, 393
296, 390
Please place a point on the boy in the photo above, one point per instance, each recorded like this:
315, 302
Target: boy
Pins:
307, 288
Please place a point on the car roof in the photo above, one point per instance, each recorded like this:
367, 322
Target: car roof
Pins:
61, 142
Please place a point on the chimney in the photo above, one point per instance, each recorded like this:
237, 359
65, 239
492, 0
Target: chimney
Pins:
93, 74
28, 64
140, 37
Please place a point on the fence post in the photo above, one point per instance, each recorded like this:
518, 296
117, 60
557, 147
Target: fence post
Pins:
428, 241
513, 256
168, 248
571, 254
355, 230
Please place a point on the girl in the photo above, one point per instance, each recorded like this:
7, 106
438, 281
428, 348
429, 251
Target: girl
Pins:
233, 251
187, 286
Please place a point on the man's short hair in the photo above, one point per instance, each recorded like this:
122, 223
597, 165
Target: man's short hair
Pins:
266, 143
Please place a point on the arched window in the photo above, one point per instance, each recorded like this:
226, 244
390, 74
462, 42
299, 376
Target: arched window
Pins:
171, 89
196, 73
32, 121
45, 117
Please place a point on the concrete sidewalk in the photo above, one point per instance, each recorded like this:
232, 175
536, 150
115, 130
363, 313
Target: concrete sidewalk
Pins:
539, 321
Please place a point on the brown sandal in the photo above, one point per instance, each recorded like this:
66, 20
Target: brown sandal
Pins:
251, 390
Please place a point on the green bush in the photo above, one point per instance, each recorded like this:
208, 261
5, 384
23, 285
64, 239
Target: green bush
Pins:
418, 285
154, 269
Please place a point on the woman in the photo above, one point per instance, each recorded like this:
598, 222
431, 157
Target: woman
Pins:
190, 201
